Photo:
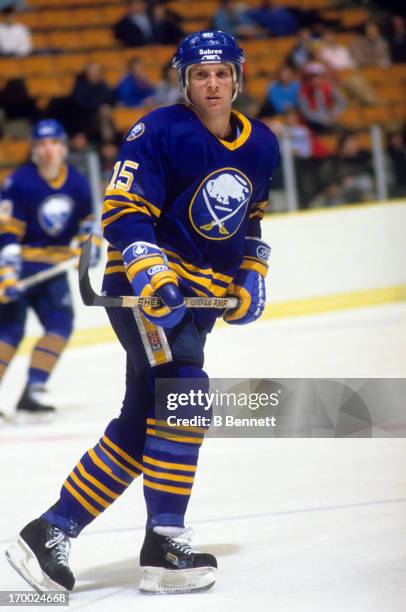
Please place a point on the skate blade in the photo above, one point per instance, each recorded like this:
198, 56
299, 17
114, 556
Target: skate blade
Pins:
161, 581
23, 560
23, 417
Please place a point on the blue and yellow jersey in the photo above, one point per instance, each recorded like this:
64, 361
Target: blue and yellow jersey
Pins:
44, 217
196, 196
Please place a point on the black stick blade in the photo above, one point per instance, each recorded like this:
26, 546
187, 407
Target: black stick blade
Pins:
89, 296
85, 287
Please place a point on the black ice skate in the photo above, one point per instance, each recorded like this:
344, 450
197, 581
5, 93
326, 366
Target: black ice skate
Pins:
32, 407
40, 556
171, 566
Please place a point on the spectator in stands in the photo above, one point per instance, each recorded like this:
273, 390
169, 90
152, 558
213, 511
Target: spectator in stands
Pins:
232, 17
396, 157
135, 89
301, 53
108, 156
282, 94
246, 103
371, 49
166, 29
396, 35
135, 28
274, 19
337, 58
319, 101
348, 175
168, 91
15, 38
16, 102
91, 101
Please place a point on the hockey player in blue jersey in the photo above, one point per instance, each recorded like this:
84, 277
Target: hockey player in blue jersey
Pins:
182, 218
44, 205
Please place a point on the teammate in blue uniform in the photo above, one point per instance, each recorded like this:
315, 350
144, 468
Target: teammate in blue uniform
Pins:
45, 204
182, 218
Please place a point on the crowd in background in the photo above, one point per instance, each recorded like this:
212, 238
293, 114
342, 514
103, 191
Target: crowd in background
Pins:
304, 99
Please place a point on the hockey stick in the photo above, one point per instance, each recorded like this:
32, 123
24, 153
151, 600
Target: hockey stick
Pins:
91, 298
44, 275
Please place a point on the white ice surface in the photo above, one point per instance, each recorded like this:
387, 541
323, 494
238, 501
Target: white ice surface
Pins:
306, 525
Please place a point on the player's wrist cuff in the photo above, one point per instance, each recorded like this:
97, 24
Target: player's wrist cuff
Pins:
256, 255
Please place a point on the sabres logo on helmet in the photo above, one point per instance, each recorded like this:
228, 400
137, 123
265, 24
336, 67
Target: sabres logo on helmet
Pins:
210, 46
218, 207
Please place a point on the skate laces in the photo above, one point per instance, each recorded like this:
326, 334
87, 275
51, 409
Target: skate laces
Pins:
182, 542
61, 545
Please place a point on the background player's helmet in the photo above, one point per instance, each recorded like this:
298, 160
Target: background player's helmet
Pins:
48, 128
208, 47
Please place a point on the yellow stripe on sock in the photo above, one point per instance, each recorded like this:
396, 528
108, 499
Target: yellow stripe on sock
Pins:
122, 453
169, 466
191, 428
167, 488
120, 465
89, 491
96, 482
81, 499
174, 437
164, 476
105, 468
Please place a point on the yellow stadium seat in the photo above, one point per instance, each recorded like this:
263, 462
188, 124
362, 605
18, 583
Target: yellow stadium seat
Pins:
125, 117
102, 37
10, 68
13, 151
37, 64
194, 10
41, 87
351, 118
377, 114
71, 63
258, 87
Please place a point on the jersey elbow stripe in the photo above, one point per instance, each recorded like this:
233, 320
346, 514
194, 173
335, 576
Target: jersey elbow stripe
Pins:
133, 197
112, 206
126, 211
13, 226
259, 214
208, 272
114, 269
201, 282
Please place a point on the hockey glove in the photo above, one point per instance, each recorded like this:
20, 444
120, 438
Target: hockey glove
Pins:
249, 284
147, 270
10, 268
